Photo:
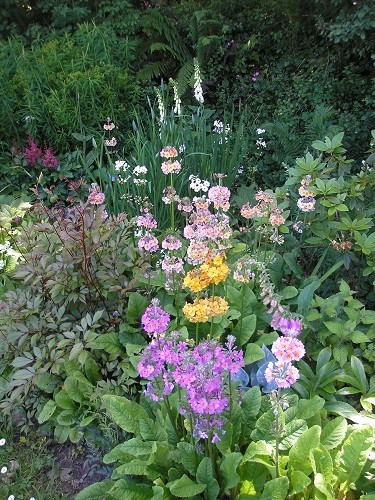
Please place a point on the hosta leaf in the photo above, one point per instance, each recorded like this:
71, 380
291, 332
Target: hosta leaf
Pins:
205, 476
185, 487
299, 455
354, 454
334, 433
277, 489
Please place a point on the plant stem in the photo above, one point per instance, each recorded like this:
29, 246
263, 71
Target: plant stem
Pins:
169, 411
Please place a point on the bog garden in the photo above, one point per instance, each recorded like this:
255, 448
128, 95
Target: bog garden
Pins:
187, 250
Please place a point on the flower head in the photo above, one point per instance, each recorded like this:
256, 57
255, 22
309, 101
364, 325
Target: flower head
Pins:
155, 319
171, 167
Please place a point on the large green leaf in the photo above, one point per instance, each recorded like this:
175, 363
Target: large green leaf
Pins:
245, 329
136, 307
251, 402
205, 476
48, 410
185, 487
307, 408
242, 299
125, 489
253, 353
107, 342
276, 489
291, 432
127, 414
299, 455
321, 462
96, 491
189, 457
299, 482
228, 469
305, 297
354, 454
334, 433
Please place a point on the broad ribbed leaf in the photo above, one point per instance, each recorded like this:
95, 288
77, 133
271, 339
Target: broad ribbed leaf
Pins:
354, 454
277, 489
299, 455
205, 476
299, 482
96, 491
127, 414
334, 433
228, 468
292, 431
185, 487
189, 457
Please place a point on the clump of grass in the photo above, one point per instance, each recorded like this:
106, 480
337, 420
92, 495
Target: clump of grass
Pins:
27, 467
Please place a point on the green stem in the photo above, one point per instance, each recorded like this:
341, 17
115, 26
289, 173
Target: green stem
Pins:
277, 433
169, 411
196, 333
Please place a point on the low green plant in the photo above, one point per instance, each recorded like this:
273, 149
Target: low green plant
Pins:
76, 273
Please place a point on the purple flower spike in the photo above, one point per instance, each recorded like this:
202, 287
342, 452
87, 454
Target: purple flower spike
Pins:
155, 319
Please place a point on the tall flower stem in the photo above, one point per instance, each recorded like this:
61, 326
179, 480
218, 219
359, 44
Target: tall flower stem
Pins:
169, 411
277, 432
172, 204
212, 456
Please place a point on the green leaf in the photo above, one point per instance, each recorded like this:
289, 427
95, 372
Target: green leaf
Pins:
107, 342
185, 487
228, 468
205, 476
150, 431
61, 433
291, 432
359, 373
189, 457
77, 390
253, 353
136, 307
48, 410
245, 329
299, 482
96, 491
125, 489
354, 454
358, 337
334, 433
305, 297
289, 292
66, 417
299, 455
322, 487
276, 489
251, 402
243, 299
307, 408
64, 401
127, 414
321, 462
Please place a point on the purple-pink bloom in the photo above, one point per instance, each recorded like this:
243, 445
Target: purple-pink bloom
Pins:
290, 327
49, 159
32, 152
282, 373
149, 243
155, 319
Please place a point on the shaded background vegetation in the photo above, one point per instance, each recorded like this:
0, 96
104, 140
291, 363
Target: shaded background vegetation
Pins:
68, 65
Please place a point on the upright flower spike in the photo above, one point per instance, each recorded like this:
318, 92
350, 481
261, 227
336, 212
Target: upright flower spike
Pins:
198, 91
155, 320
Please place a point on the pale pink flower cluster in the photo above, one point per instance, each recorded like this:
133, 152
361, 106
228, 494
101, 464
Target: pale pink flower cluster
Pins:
169, 152
208, 232
288, 349
171, 167
307, 201
170, 195
111, 142
219, 195
96, 197
171, 242
243, 272
109, 125
147, 221
149, 243
282, 373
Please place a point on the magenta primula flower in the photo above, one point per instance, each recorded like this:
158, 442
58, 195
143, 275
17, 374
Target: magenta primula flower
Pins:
155, 319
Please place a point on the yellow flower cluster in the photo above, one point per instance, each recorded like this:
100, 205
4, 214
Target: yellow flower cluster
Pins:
212, 271
201, 310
